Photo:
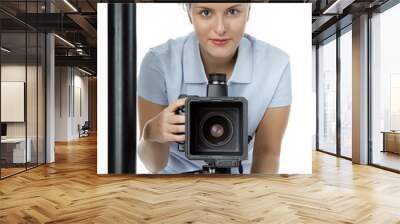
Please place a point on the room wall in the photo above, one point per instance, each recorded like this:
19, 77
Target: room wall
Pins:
71, 102
61, 103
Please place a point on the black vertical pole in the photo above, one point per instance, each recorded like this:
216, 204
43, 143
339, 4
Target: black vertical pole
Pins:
338, 96
370, 90
122, 88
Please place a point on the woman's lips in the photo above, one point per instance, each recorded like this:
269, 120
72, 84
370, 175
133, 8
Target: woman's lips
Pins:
219, 42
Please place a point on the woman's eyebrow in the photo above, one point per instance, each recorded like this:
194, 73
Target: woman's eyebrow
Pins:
202, 7
233, 6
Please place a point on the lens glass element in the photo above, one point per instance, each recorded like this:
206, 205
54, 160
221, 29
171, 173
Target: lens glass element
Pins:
216, 129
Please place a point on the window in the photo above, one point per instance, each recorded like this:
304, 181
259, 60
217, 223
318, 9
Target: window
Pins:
22, 80
327, 97
346, 94
385, 89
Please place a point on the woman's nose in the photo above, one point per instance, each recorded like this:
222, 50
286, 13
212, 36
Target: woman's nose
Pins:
220, 27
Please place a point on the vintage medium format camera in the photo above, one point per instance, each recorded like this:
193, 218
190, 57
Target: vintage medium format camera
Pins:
216, 127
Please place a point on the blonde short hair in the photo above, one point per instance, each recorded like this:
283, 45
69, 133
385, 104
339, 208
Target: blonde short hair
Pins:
187, 6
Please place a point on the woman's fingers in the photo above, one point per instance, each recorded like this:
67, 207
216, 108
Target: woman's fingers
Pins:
175, 105
176, 138
177, 119
168, 126
177, 129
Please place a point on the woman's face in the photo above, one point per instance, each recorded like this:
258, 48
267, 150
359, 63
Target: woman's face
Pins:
219, 26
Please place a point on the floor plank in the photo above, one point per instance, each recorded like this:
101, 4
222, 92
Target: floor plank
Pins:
70, 191
386, 159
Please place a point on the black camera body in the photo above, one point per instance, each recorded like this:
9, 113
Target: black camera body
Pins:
216, 126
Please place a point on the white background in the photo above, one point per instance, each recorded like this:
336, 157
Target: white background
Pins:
287, 26
102, 84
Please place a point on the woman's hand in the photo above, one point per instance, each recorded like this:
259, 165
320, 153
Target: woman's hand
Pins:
166, 126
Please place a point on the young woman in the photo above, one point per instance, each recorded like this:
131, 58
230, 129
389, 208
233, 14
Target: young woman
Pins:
255, 70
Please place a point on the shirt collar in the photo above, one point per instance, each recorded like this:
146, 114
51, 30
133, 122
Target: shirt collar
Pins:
193, 69
243, 70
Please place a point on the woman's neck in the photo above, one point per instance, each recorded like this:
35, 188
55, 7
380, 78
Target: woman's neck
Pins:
218, 65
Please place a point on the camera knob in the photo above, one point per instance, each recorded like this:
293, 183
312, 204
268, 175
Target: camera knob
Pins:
217, 78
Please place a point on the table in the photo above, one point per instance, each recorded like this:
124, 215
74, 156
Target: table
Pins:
391, 141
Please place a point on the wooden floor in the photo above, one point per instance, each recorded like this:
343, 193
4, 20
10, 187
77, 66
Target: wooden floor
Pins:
8, 171
5, 172
387, 159
70, 191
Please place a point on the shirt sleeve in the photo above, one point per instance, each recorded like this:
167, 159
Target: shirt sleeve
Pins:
151, 83
283, 93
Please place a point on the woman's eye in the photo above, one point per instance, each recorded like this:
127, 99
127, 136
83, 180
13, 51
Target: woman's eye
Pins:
205, 13
233, 11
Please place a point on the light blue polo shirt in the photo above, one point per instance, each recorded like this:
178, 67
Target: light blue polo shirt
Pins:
261, 74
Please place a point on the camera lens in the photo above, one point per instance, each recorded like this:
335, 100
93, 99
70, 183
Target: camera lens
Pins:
216, 129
